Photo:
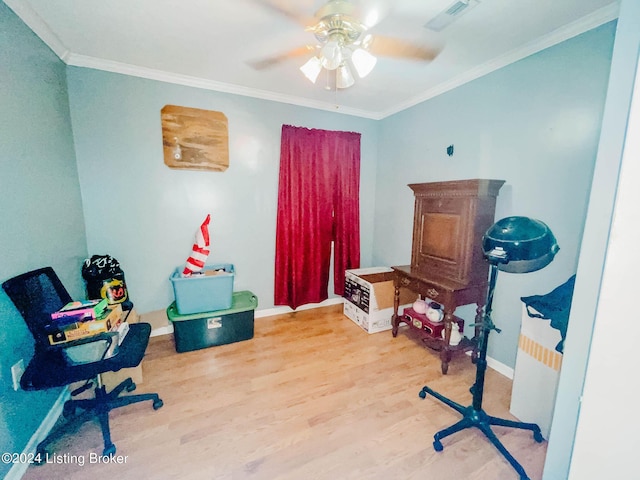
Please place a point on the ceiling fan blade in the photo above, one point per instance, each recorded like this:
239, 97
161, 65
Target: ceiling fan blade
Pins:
303, 20
372, 12
267, 62
394, 47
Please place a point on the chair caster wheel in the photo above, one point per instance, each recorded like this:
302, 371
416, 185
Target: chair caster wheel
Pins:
157, 404
109, 451
537, 436
131, 387
437, 446
422, 394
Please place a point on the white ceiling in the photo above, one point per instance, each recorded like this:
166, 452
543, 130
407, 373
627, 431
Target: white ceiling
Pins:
207, 44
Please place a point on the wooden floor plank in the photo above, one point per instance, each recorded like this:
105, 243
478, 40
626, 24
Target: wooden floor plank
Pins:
311, 396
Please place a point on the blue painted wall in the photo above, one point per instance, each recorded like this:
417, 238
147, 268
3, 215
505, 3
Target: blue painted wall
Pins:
41, 214
145, 214
535, 124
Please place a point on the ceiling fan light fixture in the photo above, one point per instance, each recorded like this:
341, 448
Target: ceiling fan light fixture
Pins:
344, 45
312, 69
363, 62
332, 54
344, 77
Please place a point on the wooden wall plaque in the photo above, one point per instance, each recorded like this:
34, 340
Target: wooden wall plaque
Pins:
195, 139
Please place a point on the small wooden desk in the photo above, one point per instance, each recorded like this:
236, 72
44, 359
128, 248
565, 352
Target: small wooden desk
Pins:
446, 292
447, 261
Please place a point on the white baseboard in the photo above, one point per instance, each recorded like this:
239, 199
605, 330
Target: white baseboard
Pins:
160, 324
162, 330
19, 469
499, 367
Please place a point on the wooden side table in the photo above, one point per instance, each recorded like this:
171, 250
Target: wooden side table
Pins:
450, 295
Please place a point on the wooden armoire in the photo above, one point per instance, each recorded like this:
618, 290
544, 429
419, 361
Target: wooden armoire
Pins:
447, 262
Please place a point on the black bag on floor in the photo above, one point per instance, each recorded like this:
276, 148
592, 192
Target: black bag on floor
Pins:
105, 279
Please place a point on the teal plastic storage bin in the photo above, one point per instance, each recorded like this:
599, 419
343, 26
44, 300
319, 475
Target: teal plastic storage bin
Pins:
201, 292
208, 329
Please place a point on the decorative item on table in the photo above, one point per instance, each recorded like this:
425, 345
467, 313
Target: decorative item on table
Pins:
434, 312
420, 306
421, 321
105, 279
456, 335
199, 251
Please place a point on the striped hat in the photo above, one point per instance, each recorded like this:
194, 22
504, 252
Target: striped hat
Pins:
200, 250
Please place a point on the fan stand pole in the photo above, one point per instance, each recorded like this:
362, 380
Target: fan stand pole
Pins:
473, 415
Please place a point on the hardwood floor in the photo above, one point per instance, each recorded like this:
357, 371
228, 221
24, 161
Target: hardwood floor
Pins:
311, 396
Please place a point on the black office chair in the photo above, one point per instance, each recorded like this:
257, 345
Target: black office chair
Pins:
36, 295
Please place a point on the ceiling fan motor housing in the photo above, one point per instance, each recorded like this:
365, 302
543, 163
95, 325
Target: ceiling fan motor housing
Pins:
339, 28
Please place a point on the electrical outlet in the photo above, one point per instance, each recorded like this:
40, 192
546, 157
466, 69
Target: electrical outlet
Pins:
16, 372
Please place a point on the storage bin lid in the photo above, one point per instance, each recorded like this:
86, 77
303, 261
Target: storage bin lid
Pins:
240, 302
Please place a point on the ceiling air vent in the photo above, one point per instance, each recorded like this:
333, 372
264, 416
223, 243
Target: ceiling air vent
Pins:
453, 12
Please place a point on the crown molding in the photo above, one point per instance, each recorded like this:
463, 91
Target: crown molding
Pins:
196, 82
39, 27
42, 30
584, 24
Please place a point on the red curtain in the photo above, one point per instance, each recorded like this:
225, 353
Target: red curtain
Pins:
318, 202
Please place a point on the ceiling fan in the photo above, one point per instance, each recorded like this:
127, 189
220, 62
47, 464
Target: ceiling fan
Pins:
344, 44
